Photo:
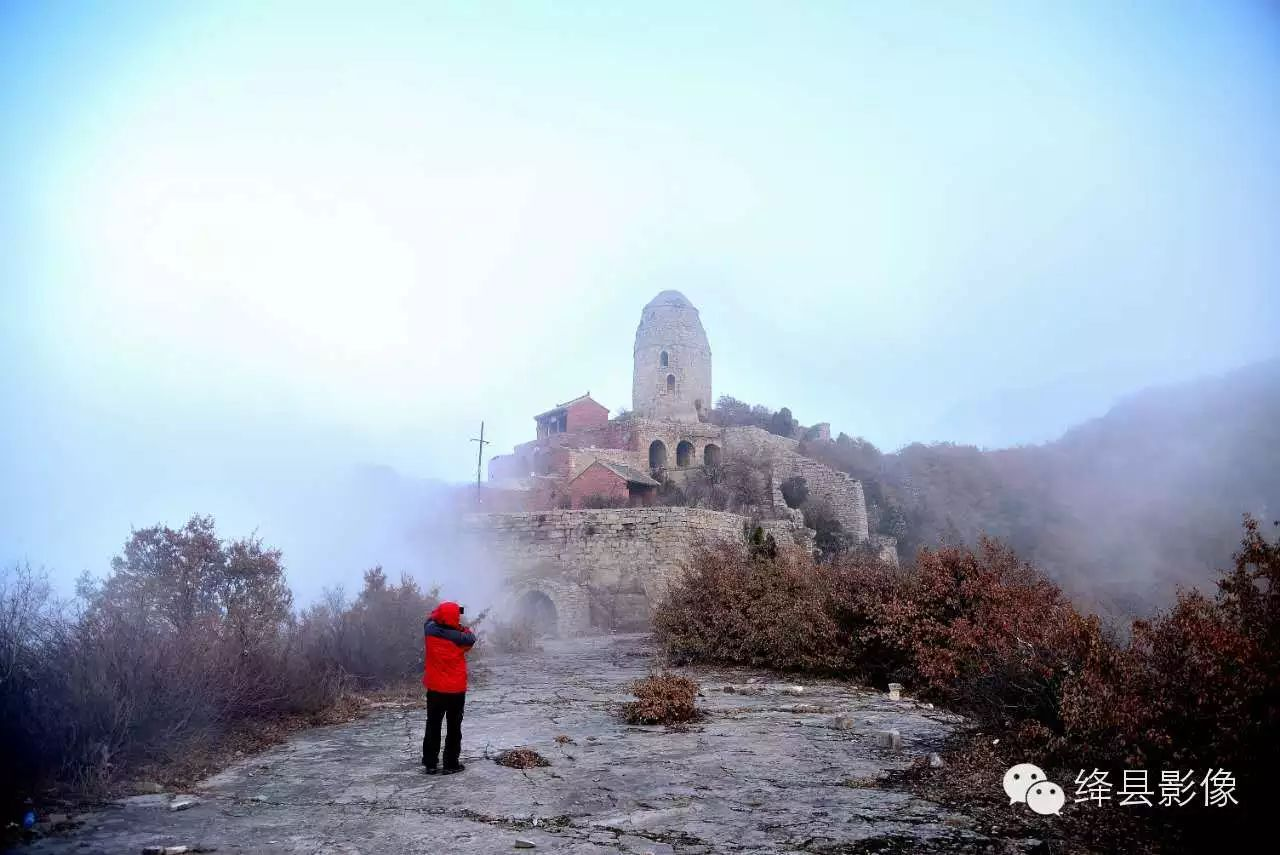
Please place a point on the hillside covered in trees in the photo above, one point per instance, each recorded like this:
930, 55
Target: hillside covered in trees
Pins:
1120, 510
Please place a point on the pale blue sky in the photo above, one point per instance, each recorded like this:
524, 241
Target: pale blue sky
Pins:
246, 245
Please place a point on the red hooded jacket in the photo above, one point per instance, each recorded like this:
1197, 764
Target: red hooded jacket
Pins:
447, 644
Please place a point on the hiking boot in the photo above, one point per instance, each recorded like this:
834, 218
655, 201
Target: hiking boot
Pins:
452, 770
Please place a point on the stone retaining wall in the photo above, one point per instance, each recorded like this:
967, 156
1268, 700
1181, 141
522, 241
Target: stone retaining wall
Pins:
603, 569
841, 491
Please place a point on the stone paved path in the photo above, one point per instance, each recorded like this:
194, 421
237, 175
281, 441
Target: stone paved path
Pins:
766, 772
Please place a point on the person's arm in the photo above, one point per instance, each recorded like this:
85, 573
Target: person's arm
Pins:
462, 637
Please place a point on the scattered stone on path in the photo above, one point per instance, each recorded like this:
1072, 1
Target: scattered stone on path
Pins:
183, 802
521, 843
842, 722
799, 709
728, 690
794, 690
889, 739
521, 758
564, 739
895, 691
145, 801
935, 760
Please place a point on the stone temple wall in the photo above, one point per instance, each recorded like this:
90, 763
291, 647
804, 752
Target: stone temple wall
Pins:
602, 569
843, 492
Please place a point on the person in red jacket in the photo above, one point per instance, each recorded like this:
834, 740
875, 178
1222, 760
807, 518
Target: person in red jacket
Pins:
444, 674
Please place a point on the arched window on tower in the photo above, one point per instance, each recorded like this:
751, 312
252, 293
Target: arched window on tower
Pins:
671, 382
663, 359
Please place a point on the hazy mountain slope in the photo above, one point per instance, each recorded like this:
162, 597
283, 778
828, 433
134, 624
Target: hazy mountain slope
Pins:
1121, 510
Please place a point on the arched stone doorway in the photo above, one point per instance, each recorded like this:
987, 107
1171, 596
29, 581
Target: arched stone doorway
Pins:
657, 455
684, 453
539, 611
711, 455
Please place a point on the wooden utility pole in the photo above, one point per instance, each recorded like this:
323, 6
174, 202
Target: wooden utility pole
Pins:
479, 457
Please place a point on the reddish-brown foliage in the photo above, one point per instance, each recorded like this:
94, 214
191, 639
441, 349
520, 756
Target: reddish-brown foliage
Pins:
986, 634
1197, 684
736, 608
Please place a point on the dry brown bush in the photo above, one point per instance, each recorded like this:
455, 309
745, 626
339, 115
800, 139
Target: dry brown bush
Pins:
663, 699
986, 634
787, 612
517, 636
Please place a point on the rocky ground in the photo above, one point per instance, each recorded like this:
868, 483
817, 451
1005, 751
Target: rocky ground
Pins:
770, 770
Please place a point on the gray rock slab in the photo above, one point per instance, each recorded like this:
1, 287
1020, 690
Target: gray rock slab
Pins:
749, 778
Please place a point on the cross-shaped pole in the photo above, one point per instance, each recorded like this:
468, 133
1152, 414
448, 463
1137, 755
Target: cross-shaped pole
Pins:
479, 457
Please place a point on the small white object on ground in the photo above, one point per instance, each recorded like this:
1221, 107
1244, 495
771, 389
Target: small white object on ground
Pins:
889, 739
895, 691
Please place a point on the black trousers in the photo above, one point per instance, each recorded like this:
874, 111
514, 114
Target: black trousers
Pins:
446, 707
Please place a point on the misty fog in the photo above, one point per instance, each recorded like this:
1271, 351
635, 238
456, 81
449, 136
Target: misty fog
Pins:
277, 266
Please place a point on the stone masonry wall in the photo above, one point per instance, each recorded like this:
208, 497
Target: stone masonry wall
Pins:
603, 569
842, 492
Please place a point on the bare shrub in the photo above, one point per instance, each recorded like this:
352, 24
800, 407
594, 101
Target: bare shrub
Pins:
662, 699
377, 639
187, 635
186, 639
740, 484
517, 636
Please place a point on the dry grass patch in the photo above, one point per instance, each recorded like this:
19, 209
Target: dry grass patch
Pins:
521, 758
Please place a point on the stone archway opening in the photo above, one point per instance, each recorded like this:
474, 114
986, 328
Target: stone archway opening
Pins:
684, 453
657, 455
538, 611
711, 455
